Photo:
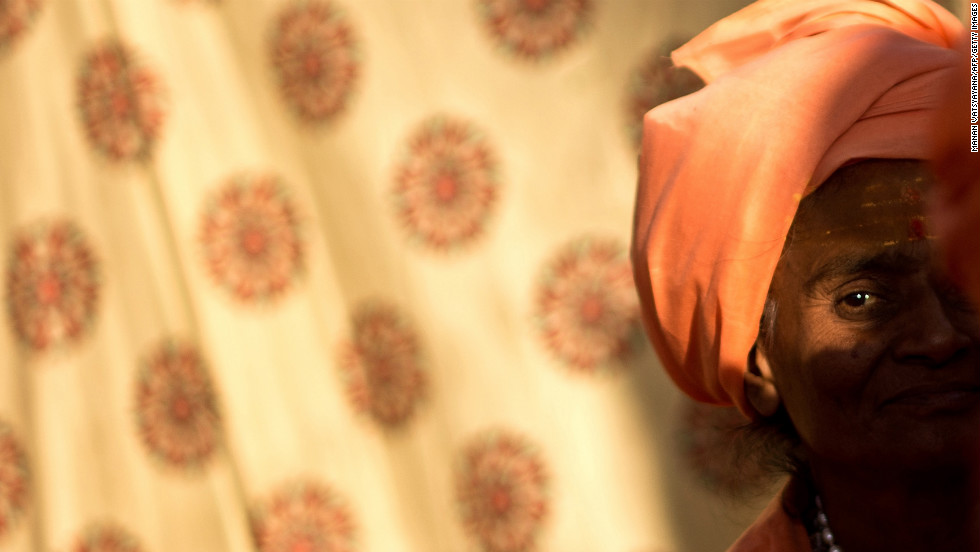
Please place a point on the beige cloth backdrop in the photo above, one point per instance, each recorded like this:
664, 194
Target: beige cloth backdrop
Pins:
338, 275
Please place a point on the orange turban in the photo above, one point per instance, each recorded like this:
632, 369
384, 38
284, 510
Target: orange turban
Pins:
796, 89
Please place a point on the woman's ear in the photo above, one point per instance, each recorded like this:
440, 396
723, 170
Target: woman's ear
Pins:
760, 387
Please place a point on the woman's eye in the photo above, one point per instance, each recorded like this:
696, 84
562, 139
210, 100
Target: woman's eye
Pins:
858, 299
860, 305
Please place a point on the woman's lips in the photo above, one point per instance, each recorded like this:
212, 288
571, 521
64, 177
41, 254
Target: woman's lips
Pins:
938, 396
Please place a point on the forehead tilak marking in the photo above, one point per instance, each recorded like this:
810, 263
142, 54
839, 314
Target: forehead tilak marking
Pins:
910, 196
918, 229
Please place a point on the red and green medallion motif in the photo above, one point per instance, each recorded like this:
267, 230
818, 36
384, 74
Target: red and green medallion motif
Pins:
314, 53
52, 288
587, 312
15, 488
176, 408
655, 81
536, 29
121, 102
16, 19
250, 238
106, 537
304, 516
381, 364
501, 491
446, 185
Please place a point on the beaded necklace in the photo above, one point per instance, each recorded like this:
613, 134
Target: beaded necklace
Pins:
821, 537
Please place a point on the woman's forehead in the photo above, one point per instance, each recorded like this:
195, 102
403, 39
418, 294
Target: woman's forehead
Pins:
876, 202
868, 217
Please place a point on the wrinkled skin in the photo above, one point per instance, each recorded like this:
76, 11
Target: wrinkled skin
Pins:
876, 357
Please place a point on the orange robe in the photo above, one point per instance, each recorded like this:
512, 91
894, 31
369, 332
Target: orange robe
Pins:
777, 529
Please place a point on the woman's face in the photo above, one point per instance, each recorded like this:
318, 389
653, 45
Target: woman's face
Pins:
875, 356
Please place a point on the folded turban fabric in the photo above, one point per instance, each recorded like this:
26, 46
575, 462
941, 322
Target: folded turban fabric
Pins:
795, 90
955, 205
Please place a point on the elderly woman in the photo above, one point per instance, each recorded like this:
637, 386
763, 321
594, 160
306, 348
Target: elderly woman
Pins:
785, 264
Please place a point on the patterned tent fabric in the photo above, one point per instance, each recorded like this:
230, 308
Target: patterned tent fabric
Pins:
328, 275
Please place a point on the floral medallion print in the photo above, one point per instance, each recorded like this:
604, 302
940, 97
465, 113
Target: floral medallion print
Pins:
106, 537
250, 237
16, 18
446, 184
52, 285
315, 56
304, 517
708, 437
14, 480
121, 102
655, 81
501, 490
535, 29
381, 366
587, 311
176, 410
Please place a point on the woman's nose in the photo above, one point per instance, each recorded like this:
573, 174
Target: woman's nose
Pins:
938, 329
